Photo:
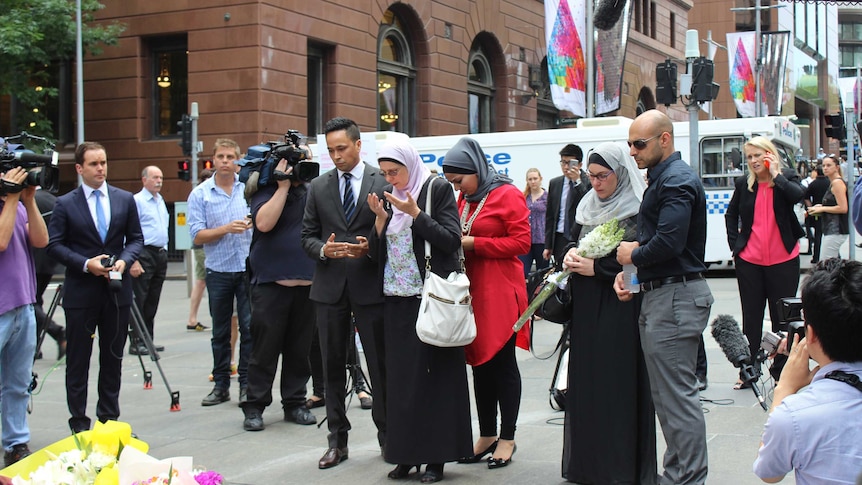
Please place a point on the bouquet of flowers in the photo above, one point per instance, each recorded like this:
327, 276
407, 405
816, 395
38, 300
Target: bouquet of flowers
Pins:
597, 244
107, 455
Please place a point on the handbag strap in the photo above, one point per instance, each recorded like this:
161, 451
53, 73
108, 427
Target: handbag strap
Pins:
428, 244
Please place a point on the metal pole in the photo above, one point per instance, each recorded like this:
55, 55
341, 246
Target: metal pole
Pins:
758, 111
194, 116
693, 132
590, 64
79, 78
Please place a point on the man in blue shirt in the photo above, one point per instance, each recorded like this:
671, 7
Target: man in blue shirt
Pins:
814, 426
218, 219
151, 268
669, 254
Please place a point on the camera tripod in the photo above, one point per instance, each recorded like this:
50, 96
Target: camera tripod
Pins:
138, 331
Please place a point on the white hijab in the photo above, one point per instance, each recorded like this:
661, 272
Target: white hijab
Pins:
626, 199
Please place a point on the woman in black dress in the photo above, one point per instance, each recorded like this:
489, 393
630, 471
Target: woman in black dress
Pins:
610, 421
422, 426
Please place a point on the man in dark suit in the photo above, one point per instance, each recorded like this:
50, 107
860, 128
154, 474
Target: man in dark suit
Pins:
564, 194
336, 220
91, 225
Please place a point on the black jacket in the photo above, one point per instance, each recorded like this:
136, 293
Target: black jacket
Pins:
740, 213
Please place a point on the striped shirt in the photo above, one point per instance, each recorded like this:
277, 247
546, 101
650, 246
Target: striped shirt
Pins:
211, 207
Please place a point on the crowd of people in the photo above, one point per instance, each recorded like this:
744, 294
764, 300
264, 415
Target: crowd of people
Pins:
359, 241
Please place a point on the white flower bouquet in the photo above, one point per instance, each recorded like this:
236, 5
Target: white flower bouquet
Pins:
597, 244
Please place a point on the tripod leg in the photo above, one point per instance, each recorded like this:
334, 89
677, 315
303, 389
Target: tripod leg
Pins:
144, 335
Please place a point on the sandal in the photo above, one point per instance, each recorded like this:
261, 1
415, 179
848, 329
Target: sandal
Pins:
742, 385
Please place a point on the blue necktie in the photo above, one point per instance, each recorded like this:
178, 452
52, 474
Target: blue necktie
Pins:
349, 204
101, 222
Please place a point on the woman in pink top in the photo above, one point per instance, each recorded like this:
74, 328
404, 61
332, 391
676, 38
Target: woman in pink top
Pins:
763, 233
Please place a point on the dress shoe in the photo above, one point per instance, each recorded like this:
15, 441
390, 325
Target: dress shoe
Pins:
138, 349
366, 402
477, 458
702, 383
253, 421
332, 457
300, 415
217, 396
500, 462
402, 471
315, 403
16, 454
433, 473
243, 395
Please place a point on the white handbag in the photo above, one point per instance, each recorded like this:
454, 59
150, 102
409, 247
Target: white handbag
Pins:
446, 312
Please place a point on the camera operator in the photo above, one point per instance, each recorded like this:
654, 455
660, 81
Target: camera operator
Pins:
816, 431
21, 226
95, 233
282, 317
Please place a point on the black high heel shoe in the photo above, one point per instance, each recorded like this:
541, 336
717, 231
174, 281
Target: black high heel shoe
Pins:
433, 473
477, 458
500, 462
402, 471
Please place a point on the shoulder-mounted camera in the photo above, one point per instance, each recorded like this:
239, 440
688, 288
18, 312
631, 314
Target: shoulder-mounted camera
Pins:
258, 165
41, 169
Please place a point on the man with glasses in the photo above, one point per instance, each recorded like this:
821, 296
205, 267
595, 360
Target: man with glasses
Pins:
669, 254
564, 194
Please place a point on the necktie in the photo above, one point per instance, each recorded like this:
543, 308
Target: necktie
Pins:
101, 222
570, 213
349, 204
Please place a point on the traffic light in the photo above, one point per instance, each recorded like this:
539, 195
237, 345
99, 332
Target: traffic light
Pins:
185, 132
665, 80
208, 164
183, 170
703, 90
835, 127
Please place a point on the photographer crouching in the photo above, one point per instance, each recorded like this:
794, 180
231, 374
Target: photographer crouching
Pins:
21, 226
817, 431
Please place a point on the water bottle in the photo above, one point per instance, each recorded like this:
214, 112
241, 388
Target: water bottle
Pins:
630, 278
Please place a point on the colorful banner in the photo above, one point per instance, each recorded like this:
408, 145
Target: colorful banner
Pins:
565, 25
610, 59
740, 51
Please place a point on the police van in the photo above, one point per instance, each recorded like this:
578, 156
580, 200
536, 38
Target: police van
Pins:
513, 152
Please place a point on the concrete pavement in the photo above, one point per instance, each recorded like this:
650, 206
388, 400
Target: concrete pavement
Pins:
288, 453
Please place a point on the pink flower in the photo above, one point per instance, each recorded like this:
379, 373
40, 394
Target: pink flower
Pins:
209, 478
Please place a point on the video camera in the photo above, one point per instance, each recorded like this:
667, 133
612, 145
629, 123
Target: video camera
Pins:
41, 170
258, 165
791, 319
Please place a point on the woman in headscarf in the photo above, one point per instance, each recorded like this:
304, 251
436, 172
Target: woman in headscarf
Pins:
495, 230
422, 427
610, 422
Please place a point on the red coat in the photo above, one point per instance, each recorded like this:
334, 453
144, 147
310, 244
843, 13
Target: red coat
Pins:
501, 233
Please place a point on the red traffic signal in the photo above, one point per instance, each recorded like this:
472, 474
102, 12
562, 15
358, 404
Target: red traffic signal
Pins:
208, 164
183, 170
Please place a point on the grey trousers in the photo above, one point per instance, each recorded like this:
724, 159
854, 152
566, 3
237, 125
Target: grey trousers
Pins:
672, 321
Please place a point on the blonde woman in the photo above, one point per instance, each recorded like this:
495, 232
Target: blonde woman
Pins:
833, 210
537, 202
763, 233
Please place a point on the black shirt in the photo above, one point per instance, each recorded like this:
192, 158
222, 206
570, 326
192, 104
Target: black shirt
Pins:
277, 255
671, 223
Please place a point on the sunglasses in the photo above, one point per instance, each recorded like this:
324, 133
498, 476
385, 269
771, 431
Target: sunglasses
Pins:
642, 143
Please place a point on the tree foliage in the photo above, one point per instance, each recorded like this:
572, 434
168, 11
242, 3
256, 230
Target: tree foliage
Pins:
33, 35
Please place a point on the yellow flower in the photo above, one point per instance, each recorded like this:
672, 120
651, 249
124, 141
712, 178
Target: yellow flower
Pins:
108, 476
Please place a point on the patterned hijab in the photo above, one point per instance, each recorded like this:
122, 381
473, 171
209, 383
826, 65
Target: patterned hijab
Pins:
402, 152
626, 199
467, 157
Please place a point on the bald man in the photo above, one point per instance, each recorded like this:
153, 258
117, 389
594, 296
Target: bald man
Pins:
669, 254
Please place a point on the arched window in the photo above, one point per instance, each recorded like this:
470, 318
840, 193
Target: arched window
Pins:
480, 92
396, 74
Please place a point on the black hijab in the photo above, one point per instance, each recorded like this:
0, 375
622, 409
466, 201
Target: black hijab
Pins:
467, 156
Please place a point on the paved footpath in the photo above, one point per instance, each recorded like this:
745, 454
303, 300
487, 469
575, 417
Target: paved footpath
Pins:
287, 453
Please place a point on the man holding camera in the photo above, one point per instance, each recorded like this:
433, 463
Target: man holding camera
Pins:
564, 194
21, 226
95, 233
817, 431
282, 320
151, 268
218, 219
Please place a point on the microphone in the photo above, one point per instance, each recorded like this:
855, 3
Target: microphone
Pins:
607, 13
34, 159
726, 332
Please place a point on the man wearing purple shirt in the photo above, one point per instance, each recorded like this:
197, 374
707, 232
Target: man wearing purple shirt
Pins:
814, 427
